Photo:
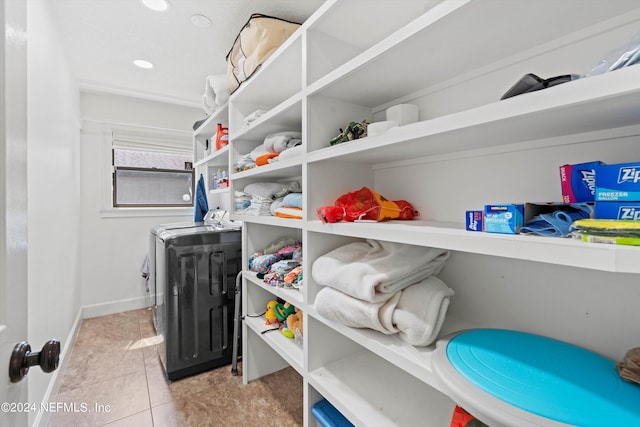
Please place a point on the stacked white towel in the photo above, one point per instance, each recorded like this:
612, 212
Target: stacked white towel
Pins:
374, 270
388, 287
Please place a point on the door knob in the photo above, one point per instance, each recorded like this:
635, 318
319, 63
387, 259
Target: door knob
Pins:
22, 358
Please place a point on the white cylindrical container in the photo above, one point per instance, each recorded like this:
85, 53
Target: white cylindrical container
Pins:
403, 113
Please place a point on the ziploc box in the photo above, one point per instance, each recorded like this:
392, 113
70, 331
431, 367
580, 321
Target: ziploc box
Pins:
578, 182
475, 221
505, 219
619, 182
617, 210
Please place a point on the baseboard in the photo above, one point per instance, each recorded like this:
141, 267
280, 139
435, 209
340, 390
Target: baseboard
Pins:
42, 418
88, 311
104, 309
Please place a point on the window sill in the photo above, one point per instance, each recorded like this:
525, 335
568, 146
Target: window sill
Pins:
144, 212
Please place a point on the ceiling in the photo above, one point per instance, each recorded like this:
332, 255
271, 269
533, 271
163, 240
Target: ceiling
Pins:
102, 38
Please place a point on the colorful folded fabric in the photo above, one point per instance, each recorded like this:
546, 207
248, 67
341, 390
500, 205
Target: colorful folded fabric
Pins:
261, 263
280, 243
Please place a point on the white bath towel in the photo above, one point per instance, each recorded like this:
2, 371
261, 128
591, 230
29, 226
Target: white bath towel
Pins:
417, 313
375, 270
421, 311
216, 92
354, 312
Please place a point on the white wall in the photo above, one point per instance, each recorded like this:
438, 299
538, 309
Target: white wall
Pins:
113, 245
53, 173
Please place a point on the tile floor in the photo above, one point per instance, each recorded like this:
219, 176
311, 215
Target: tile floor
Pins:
114, 372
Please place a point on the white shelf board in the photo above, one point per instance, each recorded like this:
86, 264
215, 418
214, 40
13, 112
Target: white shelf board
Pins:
376, 76
414, 360
382, 18
280, 169
267, 220
591, 104
294, 296
210, 126
219, 191
285, 347
335, 37
453, 236
277, 79
217, 158
371, 392
285, 116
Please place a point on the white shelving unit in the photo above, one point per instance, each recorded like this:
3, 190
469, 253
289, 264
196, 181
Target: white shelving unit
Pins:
454, 59
208, 161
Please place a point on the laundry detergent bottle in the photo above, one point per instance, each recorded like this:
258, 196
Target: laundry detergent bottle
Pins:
222, 136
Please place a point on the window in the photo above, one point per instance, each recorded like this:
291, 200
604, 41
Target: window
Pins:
151, 171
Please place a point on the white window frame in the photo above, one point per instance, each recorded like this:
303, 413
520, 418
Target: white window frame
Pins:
106, 131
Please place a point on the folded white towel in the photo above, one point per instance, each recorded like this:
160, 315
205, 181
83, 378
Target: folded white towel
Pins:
417, 313
421, 310
374, 270
216, 92
354, 312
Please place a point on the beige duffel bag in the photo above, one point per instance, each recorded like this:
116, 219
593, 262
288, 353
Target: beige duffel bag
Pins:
256, 41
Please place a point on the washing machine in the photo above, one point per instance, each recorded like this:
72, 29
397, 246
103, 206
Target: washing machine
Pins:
192, 273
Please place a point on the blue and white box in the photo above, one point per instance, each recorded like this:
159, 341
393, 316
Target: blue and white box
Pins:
505, 219
474, 221
617, 210
620, 182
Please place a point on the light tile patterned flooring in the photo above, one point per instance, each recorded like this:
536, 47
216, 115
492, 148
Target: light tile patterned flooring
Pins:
114, 372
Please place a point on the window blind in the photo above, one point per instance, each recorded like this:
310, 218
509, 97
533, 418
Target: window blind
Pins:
140, 141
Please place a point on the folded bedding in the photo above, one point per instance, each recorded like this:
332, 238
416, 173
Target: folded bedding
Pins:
271, 190
292, 200
280, 141
281, 244
258, 206
275, 205
253, 117
374, 271
416, 313
244, 163
248, 161
298, 150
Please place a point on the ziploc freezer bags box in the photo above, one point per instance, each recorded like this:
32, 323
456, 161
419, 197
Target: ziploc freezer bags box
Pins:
620, 182
505, 219
617, 210
474, 220
578, 182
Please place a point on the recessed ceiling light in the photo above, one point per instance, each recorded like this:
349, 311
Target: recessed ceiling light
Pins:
200, 21
143, 64
158, 5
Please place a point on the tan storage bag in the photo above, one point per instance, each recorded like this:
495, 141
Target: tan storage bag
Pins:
257, 40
